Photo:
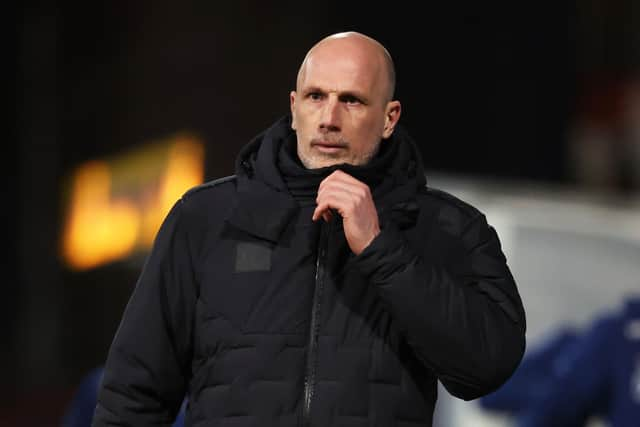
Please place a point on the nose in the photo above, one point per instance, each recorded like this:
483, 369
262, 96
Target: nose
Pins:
330, 119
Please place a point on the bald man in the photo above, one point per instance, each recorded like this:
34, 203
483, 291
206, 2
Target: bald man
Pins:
324, 284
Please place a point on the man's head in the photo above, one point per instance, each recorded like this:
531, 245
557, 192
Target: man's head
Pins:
342, 106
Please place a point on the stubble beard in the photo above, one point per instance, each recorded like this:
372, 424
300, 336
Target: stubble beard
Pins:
311, 160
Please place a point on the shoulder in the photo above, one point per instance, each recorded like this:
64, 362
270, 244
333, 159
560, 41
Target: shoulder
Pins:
213, 188
211, 193
443, 198
206, 202
448, 209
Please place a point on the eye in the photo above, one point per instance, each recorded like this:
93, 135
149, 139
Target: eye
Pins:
315, 96
351, 100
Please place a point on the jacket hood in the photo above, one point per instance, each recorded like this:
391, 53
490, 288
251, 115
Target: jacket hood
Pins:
257, 159
264, 205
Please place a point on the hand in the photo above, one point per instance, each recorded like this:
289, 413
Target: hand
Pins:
352, 200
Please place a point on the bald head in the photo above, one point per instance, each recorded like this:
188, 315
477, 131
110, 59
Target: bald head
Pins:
342, 107
358, 47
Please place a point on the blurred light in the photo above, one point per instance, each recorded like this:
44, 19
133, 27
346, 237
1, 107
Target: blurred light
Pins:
115, 207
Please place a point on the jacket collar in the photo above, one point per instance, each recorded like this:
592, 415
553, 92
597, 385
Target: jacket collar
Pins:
260, 210
263, 206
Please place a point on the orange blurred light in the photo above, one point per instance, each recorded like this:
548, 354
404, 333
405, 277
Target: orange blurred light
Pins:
116, 207
184, 169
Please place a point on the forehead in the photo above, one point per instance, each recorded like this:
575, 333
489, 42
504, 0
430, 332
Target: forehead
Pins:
342, 71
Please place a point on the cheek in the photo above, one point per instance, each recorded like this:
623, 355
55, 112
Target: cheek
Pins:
368, 137
302, 129
307, 124
369, 129
302, 119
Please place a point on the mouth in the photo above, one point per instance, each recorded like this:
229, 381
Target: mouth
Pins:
329, 147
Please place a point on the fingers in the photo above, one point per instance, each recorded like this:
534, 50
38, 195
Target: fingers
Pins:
343, 193
339, 183
344, 180
339, 201
352, 200
323, 212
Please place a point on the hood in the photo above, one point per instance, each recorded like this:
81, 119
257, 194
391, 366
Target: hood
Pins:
264, 205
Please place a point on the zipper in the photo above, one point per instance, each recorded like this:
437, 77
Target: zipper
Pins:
314, 327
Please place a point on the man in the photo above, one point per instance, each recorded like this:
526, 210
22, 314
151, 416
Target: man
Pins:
322, 285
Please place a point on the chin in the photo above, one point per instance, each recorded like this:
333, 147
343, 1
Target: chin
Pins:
321, 162
329, 162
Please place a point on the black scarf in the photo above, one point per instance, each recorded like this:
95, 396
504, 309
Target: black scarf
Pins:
273, 184
303, 183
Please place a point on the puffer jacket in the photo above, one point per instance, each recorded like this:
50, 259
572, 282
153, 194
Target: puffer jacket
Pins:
262, 317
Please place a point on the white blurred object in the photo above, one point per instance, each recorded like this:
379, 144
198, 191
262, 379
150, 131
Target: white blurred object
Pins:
573, 254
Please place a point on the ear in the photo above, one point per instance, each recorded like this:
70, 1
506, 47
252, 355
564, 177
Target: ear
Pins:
292, 104
391, 117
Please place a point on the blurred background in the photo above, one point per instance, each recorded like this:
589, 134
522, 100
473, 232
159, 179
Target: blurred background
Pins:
529, 111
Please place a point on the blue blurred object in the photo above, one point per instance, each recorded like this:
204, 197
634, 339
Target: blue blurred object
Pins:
572, 378
79, 413
539, 369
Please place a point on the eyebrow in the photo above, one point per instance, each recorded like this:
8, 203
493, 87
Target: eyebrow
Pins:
355, 94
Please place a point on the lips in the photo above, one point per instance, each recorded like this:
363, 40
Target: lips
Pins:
329, 148
329, 144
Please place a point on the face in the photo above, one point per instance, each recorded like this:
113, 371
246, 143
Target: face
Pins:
340, 109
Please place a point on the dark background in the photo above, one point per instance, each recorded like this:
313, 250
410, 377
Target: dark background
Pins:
488, 90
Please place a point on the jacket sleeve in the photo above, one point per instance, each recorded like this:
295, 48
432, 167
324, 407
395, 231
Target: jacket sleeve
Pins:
460, 312
148, 362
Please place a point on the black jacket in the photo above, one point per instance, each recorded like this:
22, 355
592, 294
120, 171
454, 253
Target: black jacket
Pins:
262, 317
